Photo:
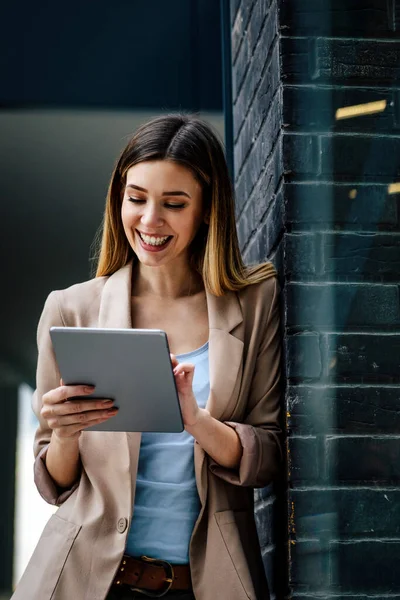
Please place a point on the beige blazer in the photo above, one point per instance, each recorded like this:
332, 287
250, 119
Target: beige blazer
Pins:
82, 544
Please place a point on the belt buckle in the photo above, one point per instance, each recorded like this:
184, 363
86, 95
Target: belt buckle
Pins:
169, 579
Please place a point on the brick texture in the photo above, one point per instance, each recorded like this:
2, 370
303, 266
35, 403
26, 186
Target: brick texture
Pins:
313, 196
364, 19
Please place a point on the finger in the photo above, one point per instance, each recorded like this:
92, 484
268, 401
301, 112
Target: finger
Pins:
71, 430
70, 407
84, 419
174, 360
78, 406
64, 392
184, 368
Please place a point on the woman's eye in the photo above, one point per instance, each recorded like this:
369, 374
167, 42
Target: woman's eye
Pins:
167, 205
175, 205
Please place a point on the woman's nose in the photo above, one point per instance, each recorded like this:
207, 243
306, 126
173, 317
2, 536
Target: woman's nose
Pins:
151, 217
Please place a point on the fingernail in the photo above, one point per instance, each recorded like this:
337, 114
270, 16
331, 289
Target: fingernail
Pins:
107, 401
89, 388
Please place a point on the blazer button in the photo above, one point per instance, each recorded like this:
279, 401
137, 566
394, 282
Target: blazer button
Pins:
122, 524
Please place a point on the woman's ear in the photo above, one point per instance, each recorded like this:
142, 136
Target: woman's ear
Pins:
207, 218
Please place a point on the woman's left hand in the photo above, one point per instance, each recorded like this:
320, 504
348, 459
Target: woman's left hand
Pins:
183, 373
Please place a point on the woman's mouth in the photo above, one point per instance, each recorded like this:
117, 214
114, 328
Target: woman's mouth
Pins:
154, 243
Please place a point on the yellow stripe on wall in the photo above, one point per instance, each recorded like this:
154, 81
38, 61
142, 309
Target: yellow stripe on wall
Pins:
394, 188
359, 110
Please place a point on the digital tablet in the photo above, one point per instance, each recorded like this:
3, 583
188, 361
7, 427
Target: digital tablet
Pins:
130, 366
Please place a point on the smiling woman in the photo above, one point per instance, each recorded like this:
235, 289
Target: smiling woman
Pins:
158, 221
163, 514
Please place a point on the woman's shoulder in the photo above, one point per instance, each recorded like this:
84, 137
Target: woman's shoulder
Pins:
79, 298
257, 298
261, 286
83, 290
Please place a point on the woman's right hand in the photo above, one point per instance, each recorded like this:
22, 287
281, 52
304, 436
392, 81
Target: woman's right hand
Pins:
67, 415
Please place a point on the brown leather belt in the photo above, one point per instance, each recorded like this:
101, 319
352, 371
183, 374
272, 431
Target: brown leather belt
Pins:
152, 576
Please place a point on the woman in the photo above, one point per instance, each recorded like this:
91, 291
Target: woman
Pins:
169, 259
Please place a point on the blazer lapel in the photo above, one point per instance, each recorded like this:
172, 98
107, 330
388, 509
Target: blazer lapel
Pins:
115, 304
226, 367
225, 354
115, 312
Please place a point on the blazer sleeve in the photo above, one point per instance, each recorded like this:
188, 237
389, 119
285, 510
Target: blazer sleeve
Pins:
260, 432
47, 378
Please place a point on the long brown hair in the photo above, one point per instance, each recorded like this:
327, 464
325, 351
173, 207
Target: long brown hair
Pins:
214, 252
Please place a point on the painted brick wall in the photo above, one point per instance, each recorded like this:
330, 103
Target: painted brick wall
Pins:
312, 194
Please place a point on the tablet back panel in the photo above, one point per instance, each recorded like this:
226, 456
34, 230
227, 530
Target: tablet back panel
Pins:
131, 366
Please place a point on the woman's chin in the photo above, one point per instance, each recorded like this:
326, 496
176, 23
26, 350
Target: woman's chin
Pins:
151, 259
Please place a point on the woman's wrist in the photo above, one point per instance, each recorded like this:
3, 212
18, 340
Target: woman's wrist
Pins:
202, 417
63, 460
68, 444
220, 441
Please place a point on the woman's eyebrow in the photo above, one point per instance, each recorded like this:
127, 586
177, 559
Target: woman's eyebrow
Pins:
170, 193
176, 193
136, 187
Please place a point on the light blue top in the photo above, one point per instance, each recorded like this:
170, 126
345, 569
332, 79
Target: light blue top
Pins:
166, 500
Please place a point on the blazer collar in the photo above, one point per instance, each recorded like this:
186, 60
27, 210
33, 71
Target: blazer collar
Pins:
224, 312
225, 349
115, 304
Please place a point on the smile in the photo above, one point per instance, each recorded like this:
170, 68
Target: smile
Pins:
154, 241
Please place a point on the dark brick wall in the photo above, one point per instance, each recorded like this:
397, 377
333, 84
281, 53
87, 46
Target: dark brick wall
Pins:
312, 195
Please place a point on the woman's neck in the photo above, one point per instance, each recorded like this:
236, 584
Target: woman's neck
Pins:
169, 284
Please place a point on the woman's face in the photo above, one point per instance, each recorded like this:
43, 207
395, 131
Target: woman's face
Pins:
162, 209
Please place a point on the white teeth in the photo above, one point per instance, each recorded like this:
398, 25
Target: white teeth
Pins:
153, 241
